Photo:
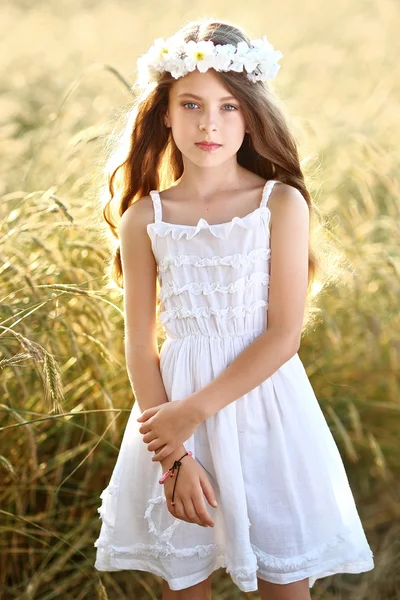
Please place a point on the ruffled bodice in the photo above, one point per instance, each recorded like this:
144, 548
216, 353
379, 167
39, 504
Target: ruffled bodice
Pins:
215, 281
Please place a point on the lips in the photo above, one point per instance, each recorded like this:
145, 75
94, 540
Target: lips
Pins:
208, 144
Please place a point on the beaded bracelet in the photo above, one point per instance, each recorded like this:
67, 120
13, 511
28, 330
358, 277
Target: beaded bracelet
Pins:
170, 473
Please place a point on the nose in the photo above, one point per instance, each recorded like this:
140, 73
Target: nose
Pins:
208, 122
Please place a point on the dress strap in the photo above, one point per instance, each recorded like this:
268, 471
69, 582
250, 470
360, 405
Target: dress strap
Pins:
155, 196
267, 191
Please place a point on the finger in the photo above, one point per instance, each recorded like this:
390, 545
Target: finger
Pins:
152, 441
179, 510
143, 417
192, 513
157, 447
201, 509
163, 453
145, 428
149, 437
208, 492
149, 412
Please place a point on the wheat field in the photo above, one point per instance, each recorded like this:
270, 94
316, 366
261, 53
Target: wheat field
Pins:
67, 68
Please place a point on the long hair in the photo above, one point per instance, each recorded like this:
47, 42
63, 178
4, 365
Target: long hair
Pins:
147, 158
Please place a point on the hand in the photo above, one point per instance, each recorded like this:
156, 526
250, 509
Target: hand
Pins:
191, 487
166, 463
167, 426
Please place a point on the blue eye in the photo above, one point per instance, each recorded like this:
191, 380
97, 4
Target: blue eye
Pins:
231, 105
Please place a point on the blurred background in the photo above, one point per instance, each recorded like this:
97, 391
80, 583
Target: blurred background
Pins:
66, 71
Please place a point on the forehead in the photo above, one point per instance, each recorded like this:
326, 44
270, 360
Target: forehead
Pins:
202, 85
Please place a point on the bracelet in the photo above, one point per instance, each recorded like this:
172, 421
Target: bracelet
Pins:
170, 473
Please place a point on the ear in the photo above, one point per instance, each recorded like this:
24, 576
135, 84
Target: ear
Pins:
166, 120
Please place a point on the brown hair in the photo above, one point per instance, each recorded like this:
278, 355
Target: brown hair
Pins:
148, 159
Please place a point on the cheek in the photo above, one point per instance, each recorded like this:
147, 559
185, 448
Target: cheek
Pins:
186, 129
183, 120
239, 128
236, 122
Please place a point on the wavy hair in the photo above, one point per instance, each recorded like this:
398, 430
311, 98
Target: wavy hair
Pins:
146, 157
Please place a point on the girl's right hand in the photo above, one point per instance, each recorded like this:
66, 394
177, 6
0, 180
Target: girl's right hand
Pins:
191, 485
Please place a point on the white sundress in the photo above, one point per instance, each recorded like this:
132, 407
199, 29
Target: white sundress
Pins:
285, 509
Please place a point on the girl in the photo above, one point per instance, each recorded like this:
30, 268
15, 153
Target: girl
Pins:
226, 405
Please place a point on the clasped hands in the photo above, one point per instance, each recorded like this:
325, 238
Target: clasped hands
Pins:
167, 426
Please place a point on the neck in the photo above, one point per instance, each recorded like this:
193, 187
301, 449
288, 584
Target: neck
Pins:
206, 183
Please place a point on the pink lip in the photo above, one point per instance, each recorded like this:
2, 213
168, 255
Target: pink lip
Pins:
208, 145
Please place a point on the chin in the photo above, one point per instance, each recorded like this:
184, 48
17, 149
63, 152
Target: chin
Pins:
219, 156
211, 161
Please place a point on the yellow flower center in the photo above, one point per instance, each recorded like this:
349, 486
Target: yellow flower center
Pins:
199, 55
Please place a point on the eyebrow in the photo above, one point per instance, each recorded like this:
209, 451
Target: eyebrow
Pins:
200, 98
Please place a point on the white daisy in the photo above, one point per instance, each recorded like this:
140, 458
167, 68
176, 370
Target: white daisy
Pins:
200, 55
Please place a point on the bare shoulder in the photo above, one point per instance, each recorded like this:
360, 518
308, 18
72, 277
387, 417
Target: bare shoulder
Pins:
286, 199
137, 216
290, 214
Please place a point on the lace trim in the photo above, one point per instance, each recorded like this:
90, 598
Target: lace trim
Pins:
219, 230
102, 510
364, 561
206, 311
297, 562
165, 536
231, 260
173, 289
267, 561
264, 560
156, 550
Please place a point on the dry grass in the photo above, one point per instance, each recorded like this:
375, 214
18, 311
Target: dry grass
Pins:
65, 395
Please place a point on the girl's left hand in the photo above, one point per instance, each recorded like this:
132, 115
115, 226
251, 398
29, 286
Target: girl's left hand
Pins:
167, 427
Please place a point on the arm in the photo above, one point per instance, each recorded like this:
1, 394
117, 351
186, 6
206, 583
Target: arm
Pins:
140, 273
287, 295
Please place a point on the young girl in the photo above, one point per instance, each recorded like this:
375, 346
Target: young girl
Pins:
245, 473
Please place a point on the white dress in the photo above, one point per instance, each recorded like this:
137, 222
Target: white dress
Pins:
285, 509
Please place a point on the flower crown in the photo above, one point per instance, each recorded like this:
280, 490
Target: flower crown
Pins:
178, 57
